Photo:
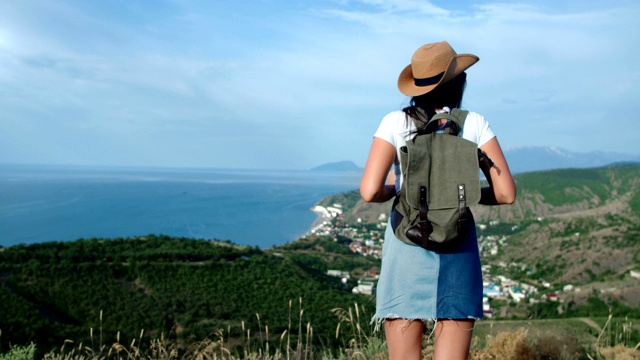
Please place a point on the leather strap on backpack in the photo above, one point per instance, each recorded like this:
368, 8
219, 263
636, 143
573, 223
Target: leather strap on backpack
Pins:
419, 234
463, 221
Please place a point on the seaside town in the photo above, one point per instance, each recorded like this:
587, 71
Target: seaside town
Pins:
367, 240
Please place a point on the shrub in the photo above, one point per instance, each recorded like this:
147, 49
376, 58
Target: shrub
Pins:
20, 353
554, 347
507, 346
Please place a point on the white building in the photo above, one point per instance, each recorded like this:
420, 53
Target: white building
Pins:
364, 287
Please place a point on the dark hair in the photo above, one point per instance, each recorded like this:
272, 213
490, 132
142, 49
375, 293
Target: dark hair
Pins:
448, 94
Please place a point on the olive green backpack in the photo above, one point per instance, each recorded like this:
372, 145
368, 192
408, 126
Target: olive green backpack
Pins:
440, 181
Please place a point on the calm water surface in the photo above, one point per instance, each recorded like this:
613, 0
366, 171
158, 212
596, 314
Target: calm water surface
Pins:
249, 207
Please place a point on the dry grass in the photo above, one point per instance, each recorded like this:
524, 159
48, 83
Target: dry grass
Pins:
358, 341
264, 347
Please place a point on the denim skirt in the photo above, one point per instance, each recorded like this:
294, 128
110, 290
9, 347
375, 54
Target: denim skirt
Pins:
418, 284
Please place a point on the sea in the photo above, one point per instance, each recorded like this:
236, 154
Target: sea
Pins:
262, 208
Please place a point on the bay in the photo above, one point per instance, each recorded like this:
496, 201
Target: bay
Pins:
261, 208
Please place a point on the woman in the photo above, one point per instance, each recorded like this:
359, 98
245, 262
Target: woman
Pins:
416, 284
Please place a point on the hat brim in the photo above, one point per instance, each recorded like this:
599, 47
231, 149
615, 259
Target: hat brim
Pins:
457, 64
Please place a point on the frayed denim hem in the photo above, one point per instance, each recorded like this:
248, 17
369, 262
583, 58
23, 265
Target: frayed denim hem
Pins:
378, 321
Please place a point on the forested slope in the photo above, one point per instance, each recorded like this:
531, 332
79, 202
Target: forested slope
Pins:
183, 288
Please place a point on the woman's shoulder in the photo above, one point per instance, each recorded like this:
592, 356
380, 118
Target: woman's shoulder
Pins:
474, 116
477, 129
395, 115
395, 119
475, 119
394, 126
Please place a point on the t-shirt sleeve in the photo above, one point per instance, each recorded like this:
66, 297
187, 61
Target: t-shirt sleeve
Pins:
480, 132
387, 130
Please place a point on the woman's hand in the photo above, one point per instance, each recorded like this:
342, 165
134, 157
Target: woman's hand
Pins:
372, 184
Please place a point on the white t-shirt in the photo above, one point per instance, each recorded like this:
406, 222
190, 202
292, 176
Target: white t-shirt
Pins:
396, 130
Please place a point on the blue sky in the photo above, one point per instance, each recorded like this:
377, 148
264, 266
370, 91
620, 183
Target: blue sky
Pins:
292, 84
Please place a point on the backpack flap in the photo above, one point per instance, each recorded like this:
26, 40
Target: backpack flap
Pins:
455, 161
440, 162
454, 186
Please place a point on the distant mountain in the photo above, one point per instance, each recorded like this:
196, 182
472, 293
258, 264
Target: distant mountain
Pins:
338, 166
531, 158
534, 158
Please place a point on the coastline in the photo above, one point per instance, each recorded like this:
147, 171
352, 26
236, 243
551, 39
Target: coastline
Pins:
323, 219
320, 218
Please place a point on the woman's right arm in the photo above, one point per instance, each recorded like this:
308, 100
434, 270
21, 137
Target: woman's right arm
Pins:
372, 184
502, 188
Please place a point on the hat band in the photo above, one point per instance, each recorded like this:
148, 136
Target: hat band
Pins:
428, 81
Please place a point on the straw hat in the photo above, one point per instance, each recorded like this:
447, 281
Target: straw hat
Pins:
431, 65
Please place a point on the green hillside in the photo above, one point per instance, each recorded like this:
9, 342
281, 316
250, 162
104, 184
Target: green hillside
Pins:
575, 227
578, 227
188, 288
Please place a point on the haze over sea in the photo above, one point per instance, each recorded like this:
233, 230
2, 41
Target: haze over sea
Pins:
261, 208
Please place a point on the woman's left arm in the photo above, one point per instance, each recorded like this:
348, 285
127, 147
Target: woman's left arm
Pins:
502, 188
372, 184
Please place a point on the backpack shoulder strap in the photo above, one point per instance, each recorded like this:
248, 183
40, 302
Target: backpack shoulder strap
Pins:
456, 116
461, 115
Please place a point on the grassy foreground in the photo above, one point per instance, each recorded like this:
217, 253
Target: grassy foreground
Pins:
515, 339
